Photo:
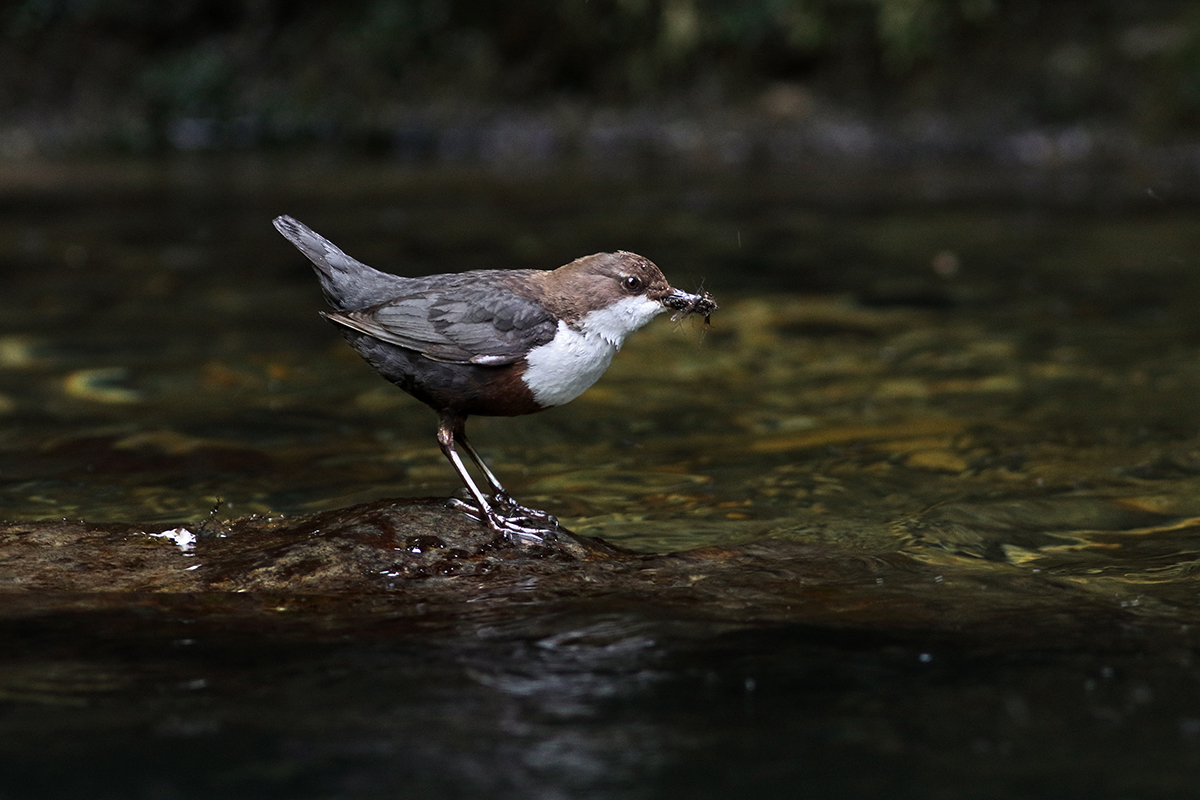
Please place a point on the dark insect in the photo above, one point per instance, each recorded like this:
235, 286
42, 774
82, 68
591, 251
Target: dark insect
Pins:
702, 304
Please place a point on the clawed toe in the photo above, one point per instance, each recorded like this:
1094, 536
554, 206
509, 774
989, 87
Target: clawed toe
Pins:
522, 525
511, 509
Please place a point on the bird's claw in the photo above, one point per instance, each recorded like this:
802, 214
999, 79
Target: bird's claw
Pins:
504, 503
522, 525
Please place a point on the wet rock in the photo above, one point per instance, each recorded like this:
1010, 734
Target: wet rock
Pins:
361, 548
419, 563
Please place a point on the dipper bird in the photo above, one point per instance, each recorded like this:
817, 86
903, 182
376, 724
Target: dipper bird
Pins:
492, 342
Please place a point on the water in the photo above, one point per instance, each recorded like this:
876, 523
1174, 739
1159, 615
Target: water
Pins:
951, 449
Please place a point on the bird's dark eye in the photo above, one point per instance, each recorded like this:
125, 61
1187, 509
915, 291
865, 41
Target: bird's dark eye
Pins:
632, 284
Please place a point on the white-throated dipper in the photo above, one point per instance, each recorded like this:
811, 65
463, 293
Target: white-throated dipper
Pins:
492, 342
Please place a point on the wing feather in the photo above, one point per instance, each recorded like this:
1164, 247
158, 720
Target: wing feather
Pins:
482, 323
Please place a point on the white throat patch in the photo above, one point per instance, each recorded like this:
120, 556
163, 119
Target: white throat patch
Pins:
575, 358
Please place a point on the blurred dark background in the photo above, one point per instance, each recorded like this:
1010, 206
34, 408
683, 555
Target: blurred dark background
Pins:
718, 82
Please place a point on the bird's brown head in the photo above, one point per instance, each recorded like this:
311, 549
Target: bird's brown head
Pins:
604, 279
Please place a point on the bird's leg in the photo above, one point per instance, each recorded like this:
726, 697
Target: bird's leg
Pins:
500, 495
446, 435
512, 520
498, 491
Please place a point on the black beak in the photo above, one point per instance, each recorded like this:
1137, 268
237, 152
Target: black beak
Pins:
684, 303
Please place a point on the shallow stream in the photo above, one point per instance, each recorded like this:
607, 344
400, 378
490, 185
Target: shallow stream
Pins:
987, 409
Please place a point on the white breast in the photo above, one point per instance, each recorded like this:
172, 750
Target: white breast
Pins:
562, 369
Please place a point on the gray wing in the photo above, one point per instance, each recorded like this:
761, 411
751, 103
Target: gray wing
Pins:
474, 324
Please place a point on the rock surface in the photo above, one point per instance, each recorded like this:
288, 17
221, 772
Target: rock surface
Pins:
409, 558
362, 548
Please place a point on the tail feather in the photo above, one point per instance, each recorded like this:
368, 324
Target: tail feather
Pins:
347, 283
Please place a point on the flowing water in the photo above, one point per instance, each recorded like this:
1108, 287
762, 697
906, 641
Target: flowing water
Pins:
994, 406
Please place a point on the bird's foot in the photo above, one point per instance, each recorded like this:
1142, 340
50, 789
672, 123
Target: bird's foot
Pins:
504, 503
521, 524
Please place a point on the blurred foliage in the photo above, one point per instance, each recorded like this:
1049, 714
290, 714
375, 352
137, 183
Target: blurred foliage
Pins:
308, 63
